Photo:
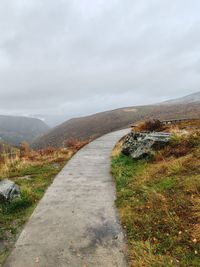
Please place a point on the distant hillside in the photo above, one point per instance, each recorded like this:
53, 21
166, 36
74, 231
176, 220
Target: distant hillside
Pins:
14, 130
192, 98
101, 123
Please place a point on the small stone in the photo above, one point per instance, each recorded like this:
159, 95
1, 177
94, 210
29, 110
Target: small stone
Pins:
8, 190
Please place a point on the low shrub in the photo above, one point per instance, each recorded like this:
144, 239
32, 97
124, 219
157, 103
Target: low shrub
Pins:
75, 144
149, 126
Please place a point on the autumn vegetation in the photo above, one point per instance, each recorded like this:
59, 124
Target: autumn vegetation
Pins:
158, 201
149, 126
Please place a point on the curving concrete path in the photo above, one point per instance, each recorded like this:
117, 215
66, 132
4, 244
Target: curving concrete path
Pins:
76, 224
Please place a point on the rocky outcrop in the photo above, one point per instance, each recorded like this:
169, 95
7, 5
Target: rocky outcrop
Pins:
141, 145
8, 190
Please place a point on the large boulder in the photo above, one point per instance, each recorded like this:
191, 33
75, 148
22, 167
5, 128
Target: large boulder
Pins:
8, 190
141, 145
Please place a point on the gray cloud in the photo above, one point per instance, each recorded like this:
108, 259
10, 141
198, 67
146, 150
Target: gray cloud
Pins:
76, 57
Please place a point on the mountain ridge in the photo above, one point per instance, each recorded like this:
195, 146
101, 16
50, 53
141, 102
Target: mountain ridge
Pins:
15, 129
93, 126
191, 98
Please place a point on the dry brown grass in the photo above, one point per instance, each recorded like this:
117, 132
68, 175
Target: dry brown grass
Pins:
34, 158
196, 210
118, 148
74, 143
20, 158
149, 126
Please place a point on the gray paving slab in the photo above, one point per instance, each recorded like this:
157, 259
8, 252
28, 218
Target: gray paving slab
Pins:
76, 223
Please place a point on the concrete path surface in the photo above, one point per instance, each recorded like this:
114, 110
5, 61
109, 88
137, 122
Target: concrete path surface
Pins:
76, 224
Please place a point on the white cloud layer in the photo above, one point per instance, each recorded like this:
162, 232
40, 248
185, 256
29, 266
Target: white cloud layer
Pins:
74, 57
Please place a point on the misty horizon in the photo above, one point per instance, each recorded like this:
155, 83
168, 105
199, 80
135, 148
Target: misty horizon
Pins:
53, 121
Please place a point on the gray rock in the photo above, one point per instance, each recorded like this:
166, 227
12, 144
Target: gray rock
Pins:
141, 145
8, 190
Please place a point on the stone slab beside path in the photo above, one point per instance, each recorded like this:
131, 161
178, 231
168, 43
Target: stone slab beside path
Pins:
76, 223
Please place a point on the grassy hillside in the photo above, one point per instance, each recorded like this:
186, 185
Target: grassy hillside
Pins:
158, 201
101, 123
14, 130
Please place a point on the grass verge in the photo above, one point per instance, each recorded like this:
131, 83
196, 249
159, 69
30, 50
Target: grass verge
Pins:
159, 205
33, 174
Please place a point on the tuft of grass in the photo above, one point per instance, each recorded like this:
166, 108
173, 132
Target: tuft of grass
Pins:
18, 204
159, 205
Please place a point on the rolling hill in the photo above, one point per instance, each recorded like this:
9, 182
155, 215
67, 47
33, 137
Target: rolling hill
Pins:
14, 130
98, 124
192, 98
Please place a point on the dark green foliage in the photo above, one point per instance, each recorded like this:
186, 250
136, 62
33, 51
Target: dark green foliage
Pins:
18, 204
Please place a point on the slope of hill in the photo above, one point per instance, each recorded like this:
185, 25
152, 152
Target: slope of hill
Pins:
101, 123
17, 129
192, 98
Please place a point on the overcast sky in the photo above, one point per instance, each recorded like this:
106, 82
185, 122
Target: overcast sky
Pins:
75, 57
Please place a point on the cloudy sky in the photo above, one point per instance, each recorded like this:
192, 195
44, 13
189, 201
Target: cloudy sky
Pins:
69, 58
